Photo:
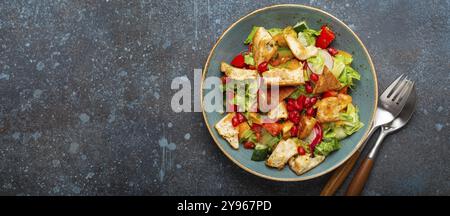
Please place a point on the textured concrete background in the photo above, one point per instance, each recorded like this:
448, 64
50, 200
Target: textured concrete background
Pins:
85, 97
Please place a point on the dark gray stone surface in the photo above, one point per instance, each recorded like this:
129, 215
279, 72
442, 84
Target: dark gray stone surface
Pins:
85, 97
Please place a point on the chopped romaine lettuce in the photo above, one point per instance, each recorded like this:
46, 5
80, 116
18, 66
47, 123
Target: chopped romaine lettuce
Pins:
299, 91
332, 131
275, 31
338, 66
245, 94
268, 140
346, 59
327, 146
248, 135
310, 36
317, 63
347, 76
302, 38
250, 36
248, 59
350, 120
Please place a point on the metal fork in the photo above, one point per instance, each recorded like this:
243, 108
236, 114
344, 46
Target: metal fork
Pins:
391, 102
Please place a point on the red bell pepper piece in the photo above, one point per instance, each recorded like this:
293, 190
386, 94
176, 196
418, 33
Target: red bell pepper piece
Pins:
325, 38
273, 128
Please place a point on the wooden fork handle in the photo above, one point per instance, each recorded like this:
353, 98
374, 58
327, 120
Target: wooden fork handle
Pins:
360, 178
339, 175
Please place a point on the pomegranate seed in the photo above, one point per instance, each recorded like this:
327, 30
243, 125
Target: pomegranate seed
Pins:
249, 145
262, 67
294, 117
307, 103
240, 117
313, 100
294, 131
308, 88
329, 94
290, 105
301, 150
298, 105
333, 51
314, 77
301, 102
235, 121
310, 111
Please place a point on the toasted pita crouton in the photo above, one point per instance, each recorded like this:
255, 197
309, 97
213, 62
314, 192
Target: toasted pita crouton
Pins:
264, 47
238, 73
299, 51
304, 163
265, 96
306, 126
284, 150
327, 81
279, 112
284, 77
227, 131
328, 109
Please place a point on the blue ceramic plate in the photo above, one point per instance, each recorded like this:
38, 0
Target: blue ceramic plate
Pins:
364, 95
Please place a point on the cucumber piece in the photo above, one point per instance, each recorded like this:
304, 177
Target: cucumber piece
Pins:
340, 133
260, 153
248, 135
268, 140
300, 26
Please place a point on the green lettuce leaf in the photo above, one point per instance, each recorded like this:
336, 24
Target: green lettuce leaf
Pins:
327, 146
350, 120
248, 59
275, 31
310, 36
348, 75
317, 62
245, 98
250, 36
299, 91
332, 131
248, 135
347, 60
338, 66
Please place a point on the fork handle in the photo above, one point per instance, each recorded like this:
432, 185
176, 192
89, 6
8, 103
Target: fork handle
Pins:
340, 175
360, 178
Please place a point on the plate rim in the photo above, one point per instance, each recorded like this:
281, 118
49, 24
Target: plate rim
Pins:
299, 178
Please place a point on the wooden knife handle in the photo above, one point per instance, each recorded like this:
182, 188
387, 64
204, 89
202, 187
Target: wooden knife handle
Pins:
360, 178
339, 175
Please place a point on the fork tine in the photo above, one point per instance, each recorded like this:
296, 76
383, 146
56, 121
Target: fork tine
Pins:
404, 94
403, 84
391, 87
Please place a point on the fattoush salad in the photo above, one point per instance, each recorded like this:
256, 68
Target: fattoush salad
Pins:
314, 110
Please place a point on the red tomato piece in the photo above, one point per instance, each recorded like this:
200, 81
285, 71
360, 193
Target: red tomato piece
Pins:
238, 61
